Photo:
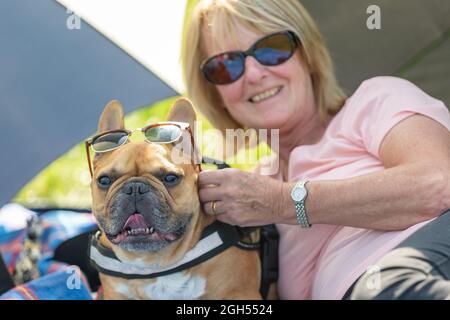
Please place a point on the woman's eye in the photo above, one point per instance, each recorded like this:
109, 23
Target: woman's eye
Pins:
104, 181
171, 179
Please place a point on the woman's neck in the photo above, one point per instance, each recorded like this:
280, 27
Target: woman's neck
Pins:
307, 132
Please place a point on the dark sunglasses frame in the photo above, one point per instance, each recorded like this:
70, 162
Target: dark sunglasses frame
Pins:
292, 38
182, 125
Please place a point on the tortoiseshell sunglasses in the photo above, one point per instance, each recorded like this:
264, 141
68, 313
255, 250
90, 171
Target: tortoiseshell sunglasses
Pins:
161, 133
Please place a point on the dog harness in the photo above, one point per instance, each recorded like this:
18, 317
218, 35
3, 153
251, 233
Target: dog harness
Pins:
216, 238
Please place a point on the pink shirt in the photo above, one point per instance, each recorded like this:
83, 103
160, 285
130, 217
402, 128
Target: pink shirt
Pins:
322, 262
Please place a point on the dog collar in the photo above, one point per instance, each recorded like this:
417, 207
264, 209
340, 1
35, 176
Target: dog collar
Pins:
216, 238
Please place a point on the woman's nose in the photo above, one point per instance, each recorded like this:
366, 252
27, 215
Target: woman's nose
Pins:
254, 71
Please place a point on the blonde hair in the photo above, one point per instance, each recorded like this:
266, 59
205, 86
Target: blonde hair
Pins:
265, 16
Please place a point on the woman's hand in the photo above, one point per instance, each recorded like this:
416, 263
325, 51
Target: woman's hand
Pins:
242, 198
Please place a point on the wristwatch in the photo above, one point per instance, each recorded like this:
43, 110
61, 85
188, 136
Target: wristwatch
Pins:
298, 195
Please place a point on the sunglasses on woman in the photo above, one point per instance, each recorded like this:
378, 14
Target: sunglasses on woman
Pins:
271, 50
161, 133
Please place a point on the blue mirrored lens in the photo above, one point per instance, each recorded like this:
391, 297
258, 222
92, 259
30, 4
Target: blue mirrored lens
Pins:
269, 51
224, 68
271, 57
274, 50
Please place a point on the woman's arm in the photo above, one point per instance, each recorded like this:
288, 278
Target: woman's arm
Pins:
414, 187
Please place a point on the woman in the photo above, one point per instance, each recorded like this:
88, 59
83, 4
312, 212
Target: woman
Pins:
363, 181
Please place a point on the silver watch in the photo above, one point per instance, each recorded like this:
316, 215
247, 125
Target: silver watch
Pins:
298, 195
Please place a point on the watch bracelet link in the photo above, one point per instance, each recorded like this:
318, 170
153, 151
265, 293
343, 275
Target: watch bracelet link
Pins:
300, 211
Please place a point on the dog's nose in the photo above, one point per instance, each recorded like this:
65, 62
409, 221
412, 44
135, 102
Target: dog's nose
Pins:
136, 188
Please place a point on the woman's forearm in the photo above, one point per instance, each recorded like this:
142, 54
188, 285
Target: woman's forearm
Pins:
393, 199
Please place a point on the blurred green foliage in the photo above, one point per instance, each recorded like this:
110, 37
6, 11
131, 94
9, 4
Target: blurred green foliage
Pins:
65, 182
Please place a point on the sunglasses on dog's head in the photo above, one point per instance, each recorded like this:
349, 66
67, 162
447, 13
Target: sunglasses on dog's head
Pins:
271, 50
161, 133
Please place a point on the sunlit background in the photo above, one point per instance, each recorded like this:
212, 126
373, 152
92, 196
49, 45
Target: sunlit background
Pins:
131, 26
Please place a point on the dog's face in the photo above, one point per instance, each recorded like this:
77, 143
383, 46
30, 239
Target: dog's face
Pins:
142, 199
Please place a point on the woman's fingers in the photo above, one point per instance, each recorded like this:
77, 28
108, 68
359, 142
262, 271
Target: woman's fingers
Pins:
209, 193
213, 208
237, 197
207, 177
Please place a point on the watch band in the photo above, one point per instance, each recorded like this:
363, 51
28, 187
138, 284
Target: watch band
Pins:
300, 211
302, 218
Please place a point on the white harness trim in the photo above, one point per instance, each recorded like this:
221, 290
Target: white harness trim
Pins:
204, 246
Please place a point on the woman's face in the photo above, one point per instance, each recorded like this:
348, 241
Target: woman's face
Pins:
266, 97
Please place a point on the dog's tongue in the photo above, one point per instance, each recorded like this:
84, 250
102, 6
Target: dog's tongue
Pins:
135, 221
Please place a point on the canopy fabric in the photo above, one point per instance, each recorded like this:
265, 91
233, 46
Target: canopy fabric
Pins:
54, 82
413, 42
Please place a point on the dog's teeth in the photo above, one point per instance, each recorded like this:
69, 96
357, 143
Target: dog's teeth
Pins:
138, 231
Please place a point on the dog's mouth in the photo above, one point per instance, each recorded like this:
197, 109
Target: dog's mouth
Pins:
136, 228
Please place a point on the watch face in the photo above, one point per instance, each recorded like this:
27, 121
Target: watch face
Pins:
298, 194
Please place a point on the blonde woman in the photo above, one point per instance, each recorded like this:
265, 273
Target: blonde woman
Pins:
363, 180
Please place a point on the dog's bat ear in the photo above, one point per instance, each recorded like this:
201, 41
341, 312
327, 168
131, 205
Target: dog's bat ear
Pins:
183, 111
112, 117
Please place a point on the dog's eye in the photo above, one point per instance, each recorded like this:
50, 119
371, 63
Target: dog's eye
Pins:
104, 181
171, 179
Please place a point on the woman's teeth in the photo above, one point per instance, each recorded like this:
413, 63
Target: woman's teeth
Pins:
265, 95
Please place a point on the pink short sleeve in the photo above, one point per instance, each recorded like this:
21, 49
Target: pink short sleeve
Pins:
323, 261
382, 102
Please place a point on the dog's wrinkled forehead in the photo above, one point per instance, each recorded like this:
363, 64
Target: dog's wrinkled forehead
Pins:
138, 158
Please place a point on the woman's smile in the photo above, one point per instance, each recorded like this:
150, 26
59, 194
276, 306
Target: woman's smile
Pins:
265, 95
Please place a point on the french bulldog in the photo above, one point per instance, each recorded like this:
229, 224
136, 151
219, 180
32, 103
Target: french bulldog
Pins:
148, 222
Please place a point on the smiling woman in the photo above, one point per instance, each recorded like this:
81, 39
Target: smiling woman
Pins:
357, 176
212, 31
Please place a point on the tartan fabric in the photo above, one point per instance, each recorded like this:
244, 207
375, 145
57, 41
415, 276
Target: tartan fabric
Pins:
58, 280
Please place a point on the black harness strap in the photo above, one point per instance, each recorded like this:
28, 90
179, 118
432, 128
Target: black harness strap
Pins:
269, 258
6, 282
227, 233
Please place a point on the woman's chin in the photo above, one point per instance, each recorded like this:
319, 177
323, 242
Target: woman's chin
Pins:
268, 117
274, 120
273, 117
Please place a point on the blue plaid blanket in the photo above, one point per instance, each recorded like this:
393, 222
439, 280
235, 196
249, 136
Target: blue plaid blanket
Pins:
58, 280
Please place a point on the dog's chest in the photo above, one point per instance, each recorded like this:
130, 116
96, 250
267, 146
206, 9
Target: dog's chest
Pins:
177, 286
